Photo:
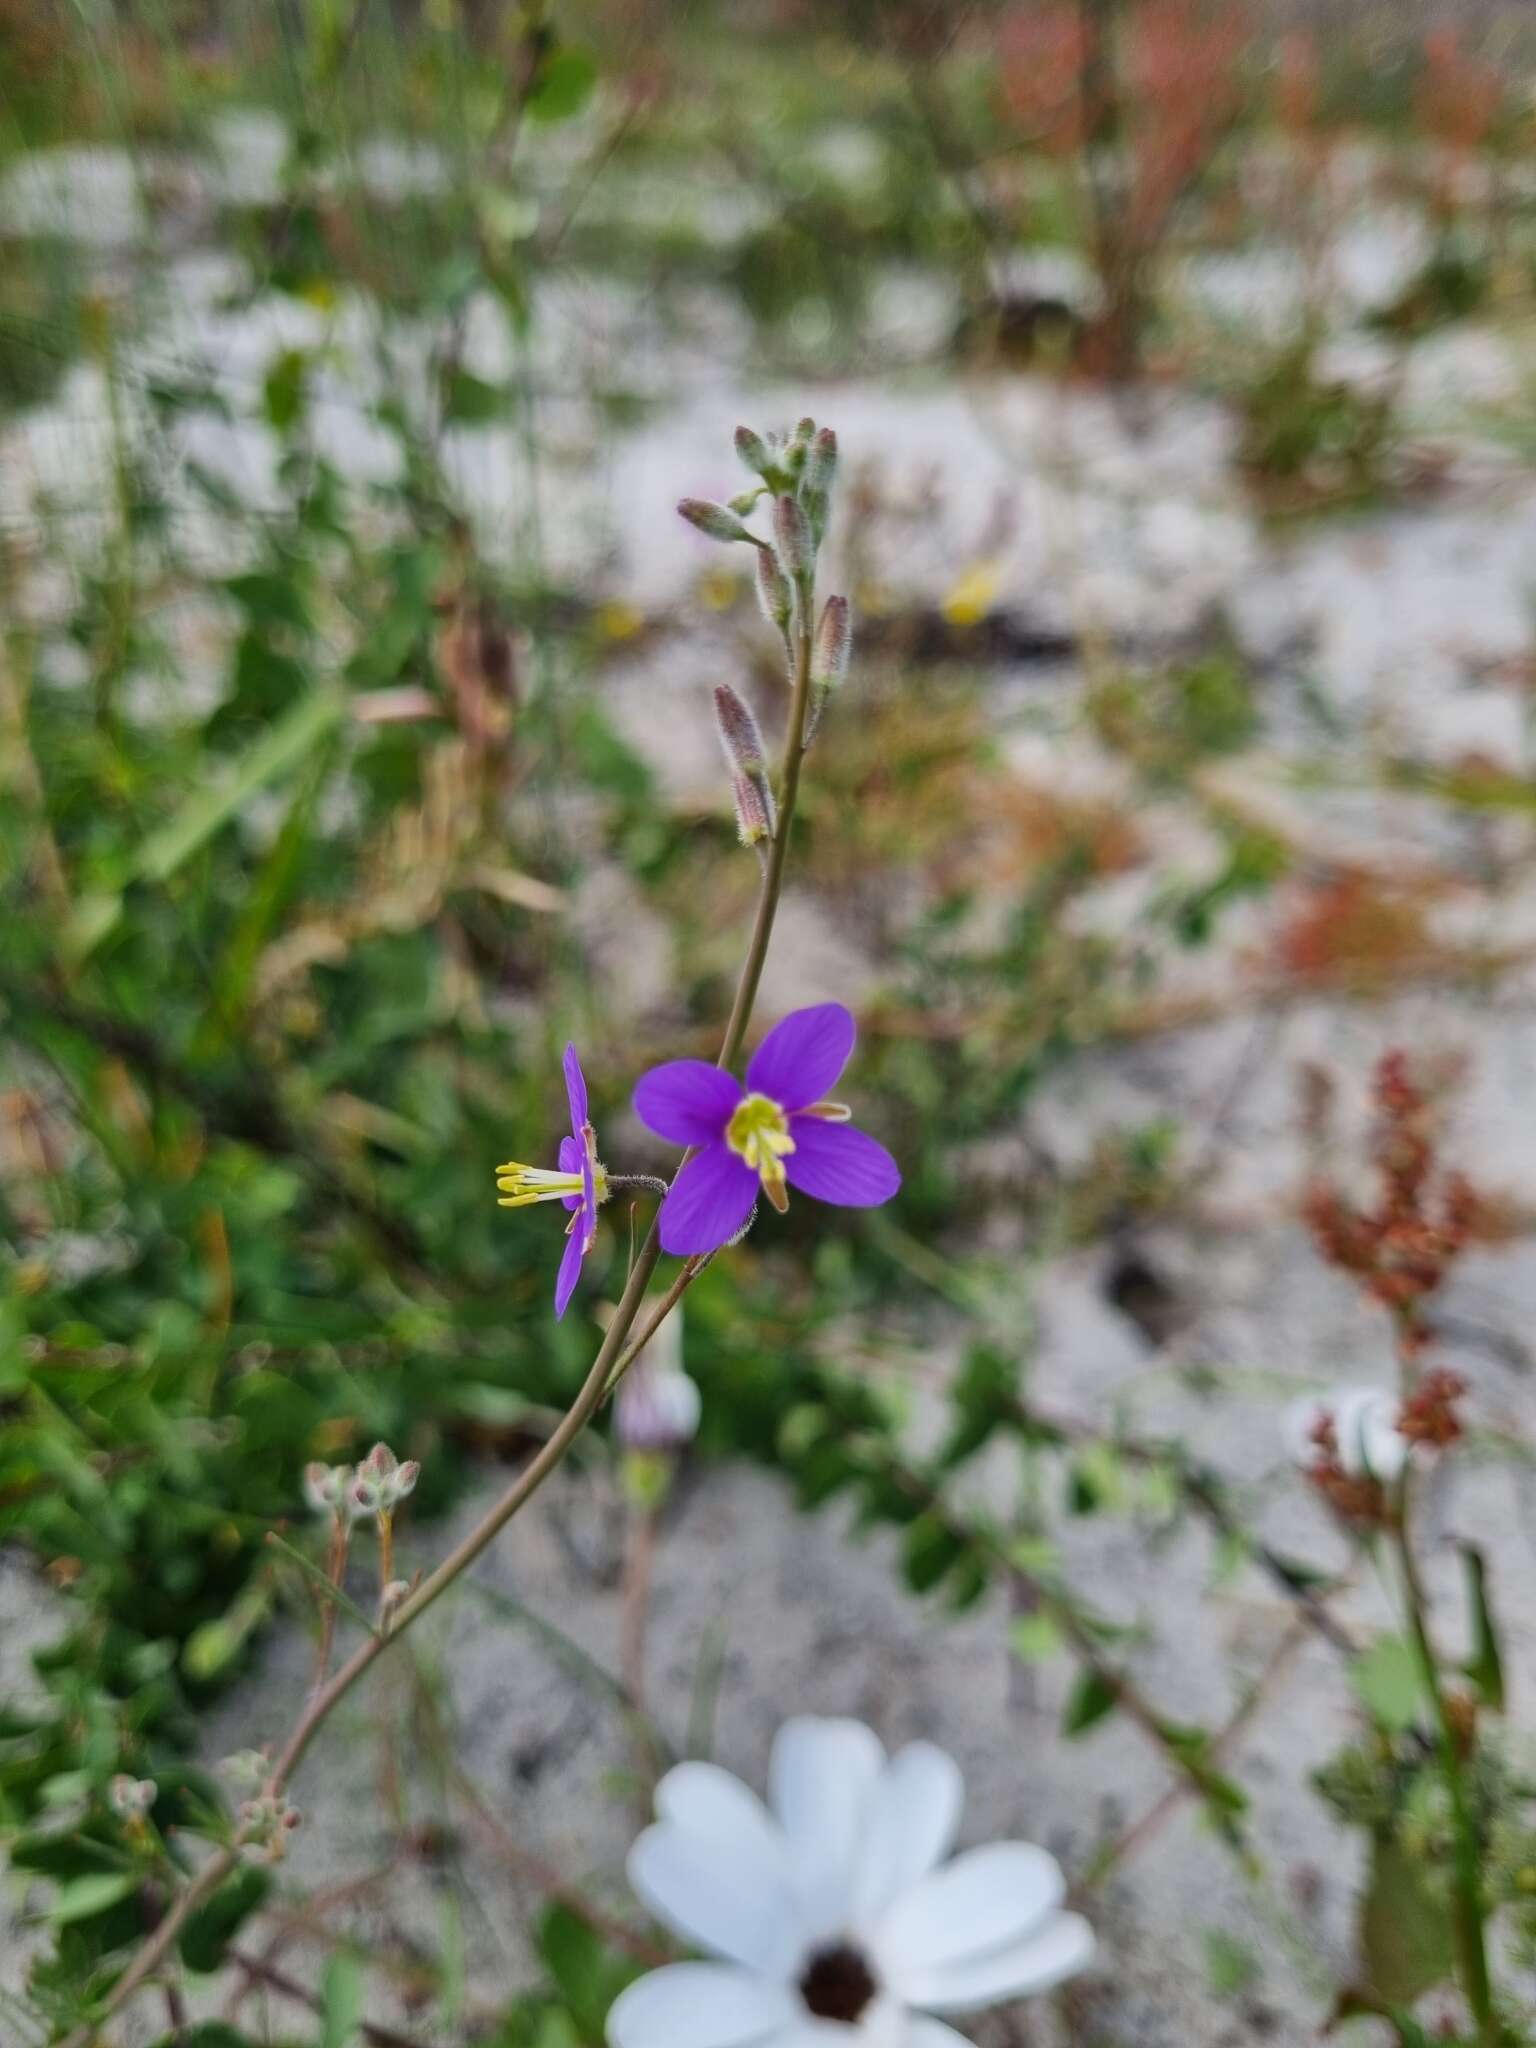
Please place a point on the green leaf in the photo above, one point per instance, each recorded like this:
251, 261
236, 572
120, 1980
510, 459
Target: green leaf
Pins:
1386, 1680
1035, 1638
282, 747
1091, 1699
1404, 1927
565, 84
929, 1550
84, 1896
1230, 1964
211, 1927
341, 2002
1486, 1666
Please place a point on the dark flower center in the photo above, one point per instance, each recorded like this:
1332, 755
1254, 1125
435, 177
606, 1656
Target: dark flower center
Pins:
837, 1984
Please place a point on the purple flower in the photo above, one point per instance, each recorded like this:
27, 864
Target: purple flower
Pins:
777, 1129
581, 1184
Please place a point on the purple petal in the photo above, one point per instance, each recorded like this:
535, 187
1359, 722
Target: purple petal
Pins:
708, 1203
688, 1101
575, 1088
570, 1267
836, 1163
801, 1057
572, 1153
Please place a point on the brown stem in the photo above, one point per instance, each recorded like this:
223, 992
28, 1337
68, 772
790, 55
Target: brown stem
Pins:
335, 1571
635, 1597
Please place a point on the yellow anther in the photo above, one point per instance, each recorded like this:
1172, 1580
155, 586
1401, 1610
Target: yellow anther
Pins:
758, 1133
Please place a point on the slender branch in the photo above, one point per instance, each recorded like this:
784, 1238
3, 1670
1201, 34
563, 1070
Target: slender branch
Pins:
593, 1389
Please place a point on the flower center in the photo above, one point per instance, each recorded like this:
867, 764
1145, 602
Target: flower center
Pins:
758, 1132
837, 1983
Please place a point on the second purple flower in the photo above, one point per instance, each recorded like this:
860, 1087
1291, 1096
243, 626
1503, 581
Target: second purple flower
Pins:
777, 1133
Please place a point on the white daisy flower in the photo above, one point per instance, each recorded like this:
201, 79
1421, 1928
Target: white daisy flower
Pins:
1369, 1442
836, 1921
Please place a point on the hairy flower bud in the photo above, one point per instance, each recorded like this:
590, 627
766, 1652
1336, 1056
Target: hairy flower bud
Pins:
748, 763
816, 482
793, 540
326, 1488
718, 521
773, 592
381, 1482
753, 450
265, 1824
833, 645
131, 1798
798, 448
830, 654
739, 733
657, 1405
752, 824
745, 501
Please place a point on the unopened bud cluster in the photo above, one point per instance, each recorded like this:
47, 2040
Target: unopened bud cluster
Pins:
796, 473
381, 1482
265, 1825
131, 1798
327, 1489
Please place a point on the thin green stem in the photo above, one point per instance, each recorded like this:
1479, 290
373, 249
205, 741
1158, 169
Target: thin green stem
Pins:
1469, 1915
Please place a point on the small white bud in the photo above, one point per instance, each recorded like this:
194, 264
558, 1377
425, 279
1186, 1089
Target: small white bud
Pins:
131, 1798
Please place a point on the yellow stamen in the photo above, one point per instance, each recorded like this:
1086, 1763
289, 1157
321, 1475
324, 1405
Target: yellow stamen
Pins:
829, 1112
519, 1185
758, 1133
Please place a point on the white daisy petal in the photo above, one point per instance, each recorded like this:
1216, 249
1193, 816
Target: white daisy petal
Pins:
699, 2005
1059, 1949
925, 2032
699, 1887
914, 1811
1365, 1431
821, 1776
1369, 1436
704, 1800
977, 1903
